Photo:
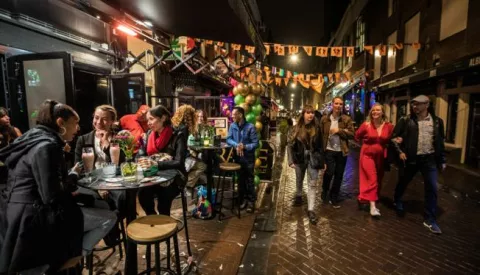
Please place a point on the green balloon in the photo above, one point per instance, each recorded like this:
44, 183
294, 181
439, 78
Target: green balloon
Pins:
251, 117
257, 109
239, 99
260, 144
257, 153
259, 100
256, 180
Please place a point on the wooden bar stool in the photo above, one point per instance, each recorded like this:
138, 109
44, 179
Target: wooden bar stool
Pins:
152, 230
225, 168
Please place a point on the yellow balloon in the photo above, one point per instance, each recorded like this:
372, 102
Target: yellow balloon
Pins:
258, 125
251, 99
235, 90
258, 163
245, 107
256, 89
243, 89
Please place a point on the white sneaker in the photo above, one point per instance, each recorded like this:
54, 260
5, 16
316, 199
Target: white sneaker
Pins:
374, 212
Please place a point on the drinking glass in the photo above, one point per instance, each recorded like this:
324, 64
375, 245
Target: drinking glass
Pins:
88, 158
115, 153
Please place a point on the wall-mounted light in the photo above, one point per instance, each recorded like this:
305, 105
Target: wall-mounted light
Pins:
294, 85
148, 23
126, 30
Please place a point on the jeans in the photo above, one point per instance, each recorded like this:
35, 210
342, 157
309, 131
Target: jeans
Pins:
97, 224
426, 164
246, 186
336, 162
312, 179
165, 197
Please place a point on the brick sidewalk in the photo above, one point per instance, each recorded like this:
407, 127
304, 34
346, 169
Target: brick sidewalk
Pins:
217, 247
348, 241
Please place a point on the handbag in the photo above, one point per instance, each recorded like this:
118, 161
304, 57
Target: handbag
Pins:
316, 160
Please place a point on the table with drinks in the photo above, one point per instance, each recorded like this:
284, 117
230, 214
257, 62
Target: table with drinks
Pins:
108, 177
208, 149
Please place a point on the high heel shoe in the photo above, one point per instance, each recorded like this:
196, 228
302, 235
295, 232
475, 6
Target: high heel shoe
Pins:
374, 212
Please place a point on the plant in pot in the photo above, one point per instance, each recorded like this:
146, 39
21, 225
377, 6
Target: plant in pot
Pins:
127, 144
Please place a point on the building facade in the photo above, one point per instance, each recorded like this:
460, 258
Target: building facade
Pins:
445, 67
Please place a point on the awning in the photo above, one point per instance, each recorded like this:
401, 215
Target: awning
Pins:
219, 20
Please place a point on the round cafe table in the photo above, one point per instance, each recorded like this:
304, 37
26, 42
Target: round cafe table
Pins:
209, 158
98, 182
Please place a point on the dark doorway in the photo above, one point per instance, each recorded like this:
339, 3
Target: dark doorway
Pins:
473, 141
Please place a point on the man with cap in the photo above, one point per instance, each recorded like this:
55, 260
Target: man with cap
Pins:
419, 141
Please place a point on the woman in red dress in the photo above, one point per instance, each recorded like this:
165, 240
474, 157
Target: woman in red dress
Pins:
375, 135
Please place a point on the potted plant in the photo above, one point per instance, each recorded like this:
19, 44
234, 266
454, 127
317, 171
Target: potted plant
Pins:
127, 144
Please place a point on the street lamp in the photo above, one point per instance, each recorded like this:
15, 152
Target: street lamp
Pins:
294, 58
292, 95
294, 85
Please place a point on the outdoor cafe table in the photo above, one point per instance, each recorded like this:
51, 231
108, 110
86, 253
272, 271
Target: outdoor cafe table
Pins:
208, 153
97, 182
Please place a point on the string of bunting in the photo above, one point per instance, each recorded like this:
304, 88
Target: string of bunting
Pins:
320, 51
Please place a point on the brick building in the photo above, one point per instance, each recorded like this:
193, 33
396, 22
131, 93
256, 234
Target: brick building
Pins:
445, 67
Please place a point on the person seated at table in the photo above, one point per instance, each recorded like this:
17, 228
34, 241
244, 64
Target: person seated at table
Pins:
40, 221
194, 165
136, 123
8, 134
163, 138
243, 137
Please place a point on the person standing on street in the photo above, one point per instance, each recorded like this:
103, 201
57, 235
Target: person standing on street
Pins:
242, 136
305, 153
419, 141
375, 135
337, 129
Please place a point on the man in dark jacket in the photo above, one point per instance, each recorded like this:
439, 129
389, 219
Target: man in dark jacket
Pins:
419, 141
243, 137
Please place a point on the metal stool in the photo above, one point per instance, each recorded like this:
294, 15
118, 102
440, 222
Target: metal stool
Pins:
152, 230
119, 242
225, 168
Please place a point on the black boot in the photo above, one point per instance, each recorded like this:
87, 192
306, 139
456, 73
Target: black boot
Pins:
312, 217
298, 201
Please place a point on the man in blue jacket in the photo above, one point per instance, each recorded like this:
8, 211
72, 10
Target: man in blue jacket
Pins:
243, 138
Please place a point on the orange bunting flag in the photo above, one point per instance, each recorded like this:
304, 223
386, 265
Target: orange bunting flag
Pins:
308, 77
292, 49
278, 81
259, 78
247, 70
305, 84
242, 76
236, 47
399, 46
321, 51
251, 78
337, 77
285, 80
348, 75
336, 51
281, 50
209, 42
276, 47
330, 77
267, 49
308, 50
382, 49
266, 70
289, 74
320, 78
267, 77
416, 45
369, 49
350, 51
250, 49
220, 44
301, 76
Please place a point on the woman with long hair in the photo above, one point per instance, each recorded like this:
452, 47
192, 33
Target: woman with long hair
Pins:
8, 134
194, 164
375, 135
306, 154
163, 138
41, 224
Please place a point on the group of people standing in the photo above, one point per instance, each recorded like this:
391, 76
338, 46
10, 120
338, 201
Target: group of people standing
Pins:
417, 142
45, 218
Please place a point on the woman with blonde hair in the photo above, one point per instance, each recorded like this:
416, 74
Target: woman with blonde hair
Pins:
375, 135
306, 154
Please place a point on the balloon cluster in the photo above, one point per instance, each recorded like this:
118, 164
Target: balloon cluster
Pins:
248, 97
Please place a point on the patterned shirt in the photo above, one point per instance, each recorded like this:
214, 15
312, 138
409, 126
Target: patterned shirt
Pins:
425, 136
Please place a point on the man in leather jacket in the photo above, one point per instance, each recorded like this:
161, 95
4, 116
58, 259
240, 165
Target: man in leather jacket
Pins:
419, 141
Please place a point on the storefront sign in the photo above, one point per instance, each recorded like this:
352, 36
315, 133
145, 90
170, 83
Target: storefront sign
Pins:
474, 61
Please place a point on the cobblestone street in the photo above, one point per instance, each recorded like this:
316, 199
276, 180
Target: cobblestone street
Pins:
349, 241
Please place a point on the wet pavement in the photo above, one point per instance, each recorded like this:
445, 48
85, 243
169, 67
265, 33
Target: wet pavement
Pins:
349, 241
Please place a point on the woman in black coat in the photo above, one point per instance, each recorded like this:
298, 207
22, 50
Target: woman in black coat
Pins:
40, 222
159, 120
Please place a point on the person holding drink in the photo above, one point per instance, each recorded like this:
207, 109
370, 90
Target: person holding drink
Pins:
97, 149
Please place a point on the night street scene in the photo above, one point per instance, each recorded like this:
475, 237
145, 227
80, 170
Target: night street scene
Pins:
241, 137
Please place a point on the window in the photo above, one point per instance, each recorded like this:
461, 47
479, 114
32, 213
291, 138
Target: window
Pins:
452, 118
412, 27
377, 63
392, 52
360, 34
391, 7
454, 17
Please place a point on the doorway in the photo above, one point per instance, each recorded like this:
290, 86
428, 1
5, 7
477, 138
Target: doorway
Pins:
473, 141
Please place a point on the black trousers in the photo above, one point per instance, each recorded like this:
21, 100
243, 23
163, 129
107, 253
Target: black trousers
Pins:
336, 162
246, 186
165, 197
